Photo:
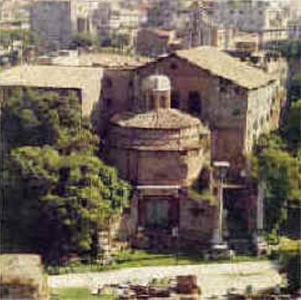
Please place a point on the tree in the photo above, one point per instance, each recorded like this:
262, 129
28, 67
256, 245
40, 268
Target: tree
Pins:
83, 40
278, 170
65, 199
291, 131
8, 37
58, 194
30, 118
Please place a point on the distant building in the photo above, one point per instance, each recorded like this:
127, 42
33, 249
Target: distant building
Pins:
294, 29
51, 21
203, 31
153, 42
261, 16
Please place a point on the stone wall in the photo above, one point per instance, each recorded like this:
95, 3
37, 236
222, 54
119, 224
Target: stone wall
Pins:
223, 105
197, 222
194, 220
236, 116
116, 94
146, 157
264, 106
154, 167
185, 79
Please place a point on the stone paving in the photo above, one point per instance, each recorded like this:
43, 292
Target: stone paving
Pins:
214, 279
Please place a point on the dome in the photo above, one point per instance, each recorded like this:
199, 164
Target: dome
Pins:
156, 83
161, 119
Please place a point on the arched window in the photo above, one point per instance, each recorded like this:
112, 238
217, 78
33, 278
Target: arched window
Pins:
194, 103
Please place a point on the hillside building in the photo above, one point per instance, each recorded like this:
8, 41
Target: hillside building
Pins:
51, 21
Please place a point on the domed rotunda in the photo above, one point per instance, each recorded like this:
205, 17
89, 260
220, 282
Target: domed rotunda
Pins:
160, 151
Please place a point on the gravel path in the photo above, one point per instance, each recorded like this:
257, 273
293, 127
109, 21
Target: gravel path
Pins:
214, 279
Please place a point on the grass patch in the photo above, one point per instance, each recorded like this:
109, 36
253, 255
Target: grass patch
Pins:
76, 294
142, 258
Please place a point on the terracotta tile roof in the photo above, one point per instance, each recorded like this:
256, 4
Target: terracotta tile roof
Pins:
220, 64
109, 60
161, 119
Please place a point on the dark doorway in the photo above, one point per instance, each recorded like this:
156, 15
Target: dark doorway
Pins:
236, 215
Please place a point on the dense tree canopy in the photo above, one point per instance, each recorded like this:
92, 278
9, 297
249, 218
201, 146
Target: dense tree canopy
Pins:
276, 164
291, 130
58, 194
33, 119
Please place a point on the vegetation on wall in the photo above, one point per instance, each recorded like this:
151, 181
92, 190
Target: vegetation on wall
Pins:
201, 190
58, 193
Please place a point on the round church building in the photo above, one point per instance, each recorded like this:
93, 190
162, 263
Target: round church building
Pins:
160, 151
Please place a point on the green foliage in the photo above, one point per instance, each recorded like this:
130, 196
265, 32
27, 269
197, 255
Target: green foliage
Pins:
58, 194
275, 163
290, 48
279, 172
83, 40
201, 189
291, 131
68, 196
290, 259
9, 36
78, 294
35, 119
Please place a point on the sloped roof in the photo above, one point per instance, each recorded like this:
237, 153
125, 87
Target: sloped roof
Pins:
223, 65
49, 76
157, 119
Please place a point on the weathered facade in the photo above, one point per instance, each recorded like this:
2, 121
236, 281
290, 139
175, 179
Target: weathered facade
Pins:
236, 100
161, 152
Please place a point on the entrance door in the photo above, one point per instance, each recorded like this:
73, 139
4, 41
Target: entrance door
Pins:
236, 215
157, 211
